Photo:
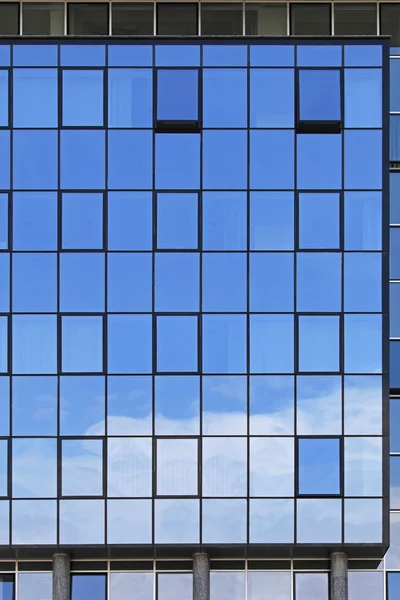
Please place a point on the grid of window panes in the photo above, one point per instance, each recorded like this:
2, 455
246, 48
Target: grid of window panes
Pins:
174, 312
207, 18
237, 580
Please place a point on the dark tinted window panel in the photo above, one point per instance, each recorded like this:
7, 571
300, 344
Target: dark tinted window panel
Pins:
390, 22
9, 19
266, 19
310, 19
355, 19
132, 19
43, 19
221, 19
177, 19
88, 19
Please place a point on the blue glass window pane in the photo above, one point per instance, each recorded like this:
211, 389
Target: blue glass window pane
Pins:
35, 221
225, 160
271, 344
319, 281
129, 405
319, 56
130, 159
395, 365
319, 521
393, 585
271, 282
314, 171
271, 521
319, 466
35, 98
177, 94
319, 343
5, 282
82, 55
395, 85
361, 55
319, 221
4, 406
5, 159
172, 56
82, 522
362, 282
177, 161
129, 344
177, 405
271, 405
271, 159
395, 482
271, 221
130, 97
362, 221
271, 56
363, 160
395, 420
34, 282
224, 344
177, 221
83, 396
394, 310
3, 98
3, 221
394, 253
224, 282
395, 198
177, 282
82, 100
82, 221
271, 98
224, 221
81, 282
130, 55
319, 405
4, 467
360, 84
177, 344
363, 418
130, 221
394, 153
225, 55
82, 344
224, 97
5, 55
130, 282
224, 521
85, 587
224, 405
319, 95
35, 55
363, 343
35, 160
34, 406
42, 456
82, 160
34, 344
4, 345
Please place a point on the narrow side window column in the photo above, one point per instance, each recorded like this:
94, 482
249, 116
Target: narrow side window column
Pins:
201, 576
61, 577
339, 576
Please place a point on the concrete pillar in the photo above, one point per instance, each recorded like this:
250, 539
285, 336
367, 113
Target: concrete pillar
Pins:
61, 577
201, 576
339, 576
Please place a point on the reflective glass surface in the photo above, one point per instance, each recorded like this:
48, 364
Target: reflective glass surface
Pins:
192, 250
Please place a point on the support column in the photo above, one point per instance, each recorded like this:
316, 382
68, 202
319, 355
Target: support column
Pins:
61, 577
339, 576
201, 576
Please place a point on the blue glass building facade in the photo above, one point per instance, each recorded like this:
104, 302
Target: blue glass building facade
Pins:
194, 311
